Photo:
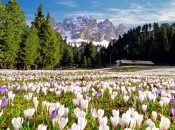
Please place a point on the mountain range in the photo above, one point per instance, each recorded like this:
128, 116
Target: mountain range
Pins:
85, 28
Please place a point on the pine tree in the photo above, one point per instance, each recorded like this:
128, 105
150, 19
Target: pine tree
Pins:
48, 41
30, 49
90, 52
2, 20
14, 22
68, 58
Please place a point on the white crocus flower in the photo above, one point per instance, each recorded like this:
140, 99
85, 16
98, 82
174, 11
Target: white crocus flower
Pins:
41, 127
26, 97
29, 113
126, 98
100, 112
60, 112
103, 121
164, 123
17, 122
75, 102
125, 120
132, 123
66, 112
82, 122
161, 103
114, 121
139, 121
57, 105
30, 95
35, 101
127, 129
79, 113
154, 116
11, 95
75, 127
106, 127
55, 122
144, 107
84, 104
150, 123
115, 113
62, 122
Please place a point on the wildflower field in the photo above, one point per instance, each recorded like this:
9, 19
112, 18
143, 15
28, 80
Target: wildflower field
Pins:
87, 99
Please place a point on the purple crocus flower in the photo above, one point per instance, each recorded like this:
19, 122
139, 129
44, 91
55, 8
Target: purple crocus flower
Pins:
59, 83
96, 95
10, 89
4, 103
172, 99
20, 89
139, 88
173, 112
53, 115
2, 90
93, 109
158, 91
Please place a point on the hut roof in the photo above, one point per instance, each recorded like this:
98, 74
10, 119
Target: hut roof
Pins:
136, 62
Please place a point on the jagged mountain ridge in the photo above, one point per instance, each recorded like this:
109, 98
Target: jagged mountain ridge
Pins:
86, 28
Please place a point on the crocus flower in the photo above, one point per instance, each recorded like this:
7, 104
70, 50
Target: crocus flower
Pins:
2, 90
4, 103
154, 116
115, 113
144, 107
94, 112
114, 121
75, 127
82, 122
29, 113
173, 112
164, 123
62, 122
139, 120
172, 99
96, 95
53, 115
103, 121
41, 127
17, 122
125, 120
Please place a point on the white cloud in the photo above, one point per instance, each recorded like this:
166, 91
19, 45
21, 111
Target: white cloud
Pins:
67, 3
140, 14
131, 17
95, 3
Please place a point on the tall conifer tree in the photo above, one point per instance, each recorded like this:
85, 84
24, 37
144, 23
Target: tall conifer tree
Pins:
14, 22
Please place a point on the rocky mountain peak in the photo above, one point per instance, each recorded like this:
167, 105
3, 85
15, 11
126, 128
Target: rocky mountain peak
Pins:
121, 30
87, 28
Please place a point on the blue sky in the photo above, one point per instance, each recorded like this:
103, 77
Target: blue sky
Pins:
129, 12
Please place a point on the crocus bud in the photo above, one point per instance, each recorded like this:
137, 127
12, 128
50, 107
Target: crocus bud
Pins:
53, 115
154, 116
144, 107
173, 112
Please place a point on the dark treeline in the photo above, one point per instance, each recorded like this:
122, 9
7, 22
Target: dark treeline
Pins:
41, 47
149, 42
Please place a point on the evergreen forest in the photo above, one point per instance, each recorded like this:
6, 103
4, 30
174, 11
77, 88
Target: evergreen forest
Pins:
39, 46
